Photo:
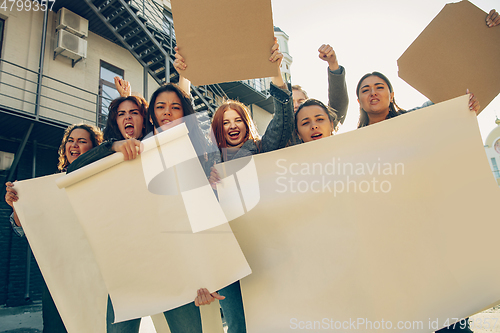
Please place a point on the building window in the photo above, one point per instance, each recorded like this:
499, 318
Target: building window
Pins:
107, 90
496, 172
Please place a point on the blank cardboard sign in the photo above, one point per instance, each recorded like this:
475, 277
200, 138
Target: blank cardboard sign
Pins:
455, 52
224, 40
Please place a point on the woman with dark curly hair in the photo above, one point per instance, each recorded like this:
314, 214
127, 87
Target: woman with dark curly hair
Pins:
77, 140
68, 150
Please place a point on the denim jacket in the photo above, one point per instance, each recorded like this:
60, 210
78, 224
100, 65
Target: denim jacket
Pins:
17, 230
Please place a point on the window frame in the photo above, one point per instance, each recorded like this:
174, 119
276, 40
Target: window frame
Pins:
101, 117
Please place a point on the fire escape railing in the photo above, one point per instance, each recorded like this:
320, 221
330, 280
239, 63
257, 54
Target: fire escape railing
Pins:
146, 30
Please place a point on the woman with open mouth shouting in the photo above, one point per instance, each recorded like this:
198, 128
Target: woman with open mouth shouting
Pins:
126, 125
236, 136
235, 132
129, 119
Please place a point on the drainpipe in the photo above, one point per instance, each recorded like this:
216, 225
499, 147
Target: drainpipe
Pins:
40, 65
28, 251
37, 117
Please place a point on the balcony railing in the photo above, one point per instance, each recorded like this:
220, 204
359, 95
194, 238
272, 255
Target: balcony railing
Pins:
155, 16
60, 102
261, 85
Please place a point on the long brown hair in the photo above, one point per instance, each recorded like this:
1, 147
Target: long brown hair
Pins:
218, 123
197, 137
96, 138
111, 131
394, 109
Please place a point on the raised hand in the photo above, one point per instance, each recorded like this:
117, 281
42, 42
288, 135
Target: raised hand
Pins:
123, 87
179, 62
492, 19
327, 54
277, 57
473, 102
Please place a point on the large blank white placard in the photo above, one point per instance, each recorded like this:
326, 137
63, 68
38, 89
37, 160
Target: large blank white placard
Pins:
382, 227
143, 242
370, 230
63, 254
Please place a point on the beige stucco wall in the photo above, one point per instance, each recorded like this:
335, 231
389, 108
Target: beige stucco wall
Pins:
16, 48
22, 41
152, 86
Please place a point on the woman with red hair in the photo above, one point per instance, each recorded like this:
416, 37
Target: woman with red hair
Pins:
236, 136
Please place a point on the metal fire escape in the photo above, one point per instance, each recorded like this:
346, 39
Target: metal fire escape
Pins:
144, 28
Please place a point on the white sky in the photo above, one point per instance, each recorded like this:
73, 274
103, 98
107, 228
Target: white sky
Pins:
367, 36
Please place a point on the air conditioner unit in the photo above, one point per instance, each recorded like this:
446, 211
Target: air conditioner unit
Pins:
70, 45
6, 160
72, 22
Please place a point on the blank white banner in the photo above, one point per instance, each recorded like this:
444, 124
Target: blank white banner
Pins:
390, 227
